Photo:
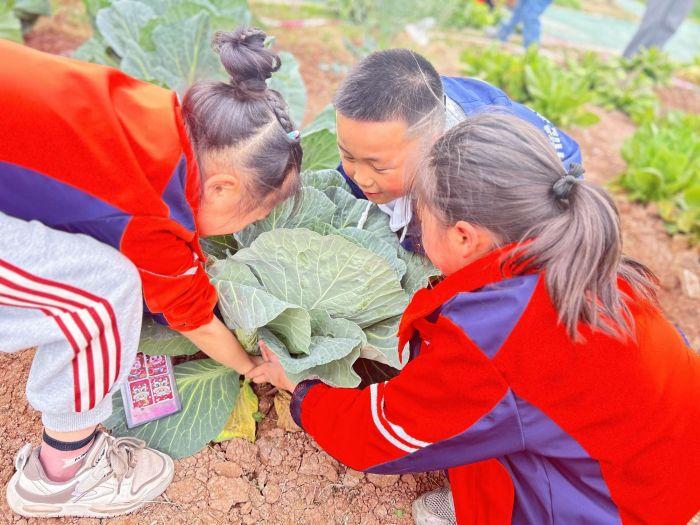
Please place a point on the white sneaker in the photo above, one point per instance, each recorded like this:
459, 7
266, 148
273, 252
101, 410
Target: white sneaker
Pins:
435, 508
118, 476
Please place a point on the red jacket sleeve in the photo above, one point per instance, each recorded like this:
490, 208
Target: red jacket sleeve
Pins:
437, 413
174, 281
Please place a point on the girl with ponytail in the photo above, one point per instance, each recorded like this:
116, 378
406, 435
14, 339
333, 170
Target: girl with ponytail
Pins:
106, 186
543, 375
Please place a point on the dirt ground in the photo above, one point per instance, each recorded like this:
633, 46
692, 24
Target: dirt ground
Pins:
284, 478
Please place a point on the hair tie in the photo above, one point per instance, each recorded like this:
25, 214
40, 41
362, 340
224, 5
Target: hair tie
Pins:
562, 186
576, 170
294, 135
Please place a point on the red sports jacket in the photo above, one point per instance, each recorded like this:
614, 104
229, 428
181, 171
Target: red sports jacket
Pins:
87, 149
534, 427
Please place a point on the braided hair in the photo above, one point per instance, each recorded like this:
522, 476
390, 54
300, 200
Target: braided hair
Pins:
246, 116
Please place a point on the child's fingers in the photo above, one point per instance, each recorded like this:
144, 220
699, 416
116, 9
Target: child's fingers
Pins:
264, 350
257, 372
268, 354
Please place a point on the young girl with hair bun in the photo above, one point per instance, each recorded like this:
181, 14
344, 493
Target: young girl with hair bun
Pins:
543, 374
106, 186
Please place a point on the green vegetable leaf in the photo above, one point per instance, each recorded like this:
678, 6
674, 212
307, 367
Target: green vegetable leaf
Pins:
157, 339
323, 179
289, 83
383, 342
242, 421
319, 143
419, 271
208, 392
218, 246
347, 281
184, 52
311, 207
120, 26
10, 26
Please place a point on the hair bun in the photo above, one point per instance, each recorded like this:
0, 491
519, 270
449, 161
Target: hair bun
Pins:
247, 61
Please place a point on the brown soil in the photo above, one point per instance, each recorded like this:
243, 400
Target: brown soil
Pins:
681, 95
284, 478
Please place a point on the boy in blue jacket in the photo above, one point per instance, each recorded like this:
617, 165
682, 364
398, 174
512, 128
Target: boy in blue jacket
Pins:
390, 109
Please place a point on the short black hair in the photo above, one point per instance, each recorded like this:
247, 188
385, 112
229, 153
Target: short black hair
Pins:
395, 84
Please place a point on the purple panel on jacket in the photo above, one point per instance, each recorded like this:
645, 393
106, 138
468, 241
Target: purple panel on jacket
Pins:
569, 485
174, 196
555, 480
495, 434
30, 195
488, 315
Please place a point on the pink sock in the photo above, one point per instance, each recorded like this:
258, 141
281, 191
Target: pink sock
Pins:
61, 460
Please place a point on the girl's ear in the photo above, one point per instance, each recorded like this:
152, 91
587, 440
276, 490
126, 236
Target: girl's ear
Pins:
470, 241
220, 185
464, 233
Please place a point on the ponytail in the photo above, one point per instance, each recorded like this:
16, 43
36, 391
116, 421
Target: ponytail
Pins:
500, 173
581, 251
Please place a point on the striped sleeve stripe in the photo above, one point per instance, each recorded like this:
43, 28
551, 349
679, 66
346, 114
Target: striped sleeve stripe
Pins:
394, 434
90, 320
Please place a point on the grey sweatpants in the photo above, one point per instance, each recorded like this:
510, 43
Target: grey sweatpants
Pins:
661, 20
79, 302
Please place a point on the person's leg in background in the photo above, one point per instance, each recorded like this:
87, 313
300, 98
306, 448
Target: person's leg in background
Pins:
660, 21
532, 26
79, 301
507, 27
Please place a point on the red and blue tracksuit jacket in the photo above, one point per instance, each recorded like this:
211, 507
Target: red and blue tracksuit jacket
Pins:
473, 96
87, 149
534, 427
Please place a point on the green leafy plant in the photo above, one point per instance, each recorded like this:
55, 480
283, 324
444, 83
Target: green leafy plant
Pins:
460, 14
624, 84
18, 16
663, 165
318, 142
168, 42
322, 280
556, 93
653, 63
535, 80
502, 69
571, 4
562, 91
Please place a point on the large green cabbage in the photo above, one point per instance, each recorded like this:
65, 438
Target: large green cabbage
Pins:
322, 280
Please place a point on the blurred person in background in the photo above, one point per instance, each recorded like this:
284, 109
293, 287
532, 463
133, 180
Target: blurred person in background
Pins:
660, 22
528, 13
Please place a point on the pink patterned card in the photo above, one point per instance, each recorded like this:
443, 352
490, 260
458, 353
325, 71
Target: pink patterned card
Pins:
150, 391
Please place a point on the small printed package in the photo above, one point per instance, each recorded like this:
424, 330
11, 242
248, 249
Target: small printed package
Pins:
150, 391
